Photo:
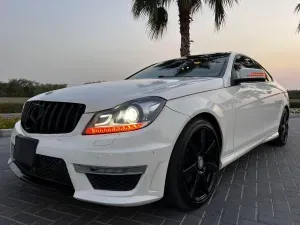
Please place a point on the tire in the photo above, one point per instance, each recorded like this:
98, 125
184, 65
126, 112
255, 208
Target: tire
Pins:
283, 130
193, 161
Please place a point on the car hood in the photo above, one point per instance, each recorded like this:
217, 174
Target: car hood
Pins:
105, 95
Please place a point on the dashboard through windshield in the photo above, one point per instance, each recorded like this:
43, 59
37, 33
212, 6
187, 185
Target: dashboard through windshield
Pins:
210, 65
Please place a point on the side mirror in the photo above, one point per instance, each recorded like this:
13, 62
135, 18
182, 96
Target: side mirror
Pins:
249, 75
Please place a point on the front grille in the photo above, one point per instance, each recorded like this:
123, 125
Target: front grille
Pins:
48, 168
45, 117
114, 182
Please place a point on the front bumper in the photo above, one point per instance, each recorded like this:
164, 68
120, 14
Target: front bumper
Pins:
150, 147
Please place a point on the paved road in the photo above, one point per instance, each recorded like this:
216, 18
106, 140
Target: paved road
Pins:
263, 187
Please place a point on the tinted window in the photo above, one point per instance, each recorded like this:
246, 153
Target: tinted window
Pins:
193, 66
244, 62
268, 76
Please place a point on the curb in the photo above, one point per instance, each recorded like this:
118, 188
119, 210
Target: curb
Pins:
5, 132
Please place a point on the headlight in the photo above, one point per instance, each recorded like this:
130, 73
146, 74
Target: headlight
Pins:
129, 116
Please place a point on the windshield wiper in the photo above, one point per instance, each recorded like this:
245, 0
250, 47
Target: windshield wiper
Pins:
163, 76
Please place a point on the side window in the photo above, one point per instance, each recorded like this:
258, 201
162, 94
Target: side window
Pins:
269, 78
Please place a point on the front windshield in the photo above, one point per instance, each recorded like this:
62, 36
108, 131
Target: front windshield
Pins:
209, 65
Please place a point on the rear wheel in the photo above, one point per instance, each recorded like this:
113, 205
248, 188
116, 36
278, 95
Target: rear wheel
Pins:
193, 166
283, 129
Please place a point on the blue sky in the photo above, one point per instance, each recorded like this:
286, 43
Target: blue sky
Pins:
75, 41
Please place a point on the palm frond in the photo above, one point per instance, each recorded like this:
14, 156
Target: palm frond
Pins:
220, 15
142, 8
298, 28
156, 12
218, 6
157, 22
197, 5
297, 9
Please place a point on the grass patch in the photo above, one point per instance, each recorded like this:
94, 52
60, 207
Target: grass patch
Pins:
8, 123
12, 100
11, 107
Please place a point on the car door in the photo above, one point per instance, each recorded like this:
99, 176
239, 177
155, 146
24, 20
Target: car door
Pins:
251, 106
274, 100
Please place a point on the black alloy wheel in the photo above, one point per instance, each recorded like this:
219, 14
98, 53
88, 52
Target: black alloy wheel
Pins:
284, 127
200, 166
283, 130
193, 165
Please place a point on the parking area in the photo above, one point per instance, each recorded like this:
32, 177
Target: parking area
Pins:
262, 187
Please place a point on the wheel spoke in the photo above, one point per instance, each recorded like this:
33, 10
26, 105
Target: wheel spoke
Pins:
211, 166
203, 140
203, 182
195, 186
191, 168
210, 148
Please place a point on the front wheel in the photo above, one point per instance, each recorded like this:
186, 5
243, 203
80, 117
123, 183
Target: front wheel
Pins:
283, 129
193, 166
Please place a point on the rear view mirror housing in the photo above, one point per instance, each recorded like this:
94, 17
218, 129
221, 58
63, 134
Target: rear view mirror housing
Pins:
249, 75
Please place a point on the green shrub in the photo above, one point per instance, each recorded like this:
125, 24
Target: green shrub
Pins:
26, 88
11, 107
295, 104
294, 94
8, 123
295, 111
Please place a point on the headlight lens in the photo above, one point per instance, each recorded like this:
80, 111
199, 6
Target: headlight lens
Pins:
129, 116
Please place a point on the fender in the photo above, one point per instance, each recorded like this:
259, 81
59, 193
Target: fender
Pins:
219, 103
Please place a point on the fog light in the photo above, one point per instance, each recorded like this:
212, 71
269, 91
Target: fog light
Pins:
109, 170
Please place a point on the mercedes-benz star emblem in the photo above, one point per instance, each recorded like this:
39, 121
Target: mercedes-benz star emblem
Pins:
34, 115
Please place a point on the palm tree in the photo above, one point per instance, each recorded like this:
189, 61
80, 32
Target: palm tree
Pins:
156, 11
297, 10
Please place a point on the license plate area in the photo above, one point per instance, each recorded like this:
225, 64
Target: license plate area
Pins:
25, 150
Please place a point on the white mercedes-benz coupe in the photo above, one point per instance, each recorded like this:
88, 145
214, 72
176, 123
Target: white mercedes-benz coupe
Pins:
165, 131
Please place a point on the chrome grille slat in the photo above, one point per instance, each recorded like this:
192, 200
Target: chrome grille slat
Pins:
45, 116
59, 117
67, 117
51, 116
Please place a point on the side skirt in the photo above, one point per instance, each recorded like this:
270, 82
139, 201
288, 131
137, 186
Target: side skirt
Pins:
239, 153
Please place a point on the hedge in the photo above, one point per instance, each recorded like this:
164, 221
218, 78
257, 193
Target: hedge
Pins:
295, 104
8, 123
11, 107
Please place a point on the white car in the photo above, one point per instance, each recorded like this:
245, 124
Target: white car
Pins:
165, 131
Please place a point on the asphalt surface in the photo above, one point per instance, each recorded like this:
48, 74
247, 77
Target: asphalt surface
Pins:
262, 187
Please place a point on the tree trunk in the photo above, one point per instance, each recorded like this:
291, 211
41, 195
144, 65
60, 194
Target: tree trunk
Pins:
184, 22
